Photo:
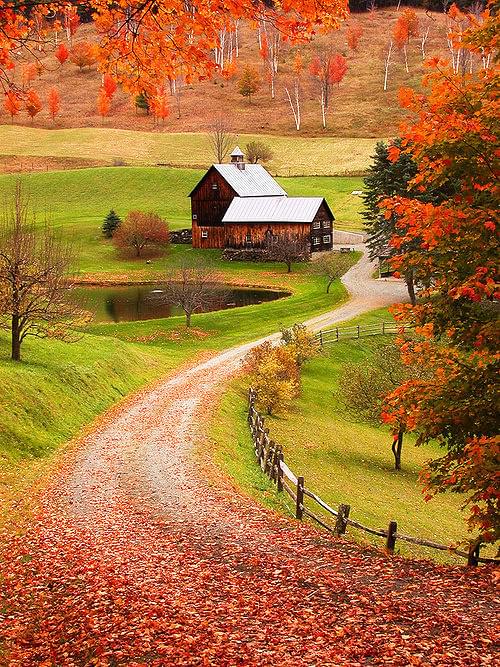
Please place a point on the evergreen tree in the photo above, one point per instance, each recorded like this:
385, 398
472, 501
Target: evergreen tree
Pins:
142, 102
387, 178
111, 223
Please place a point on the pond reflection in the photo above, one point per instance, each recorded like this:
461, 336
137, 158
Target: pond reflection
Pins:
148, 302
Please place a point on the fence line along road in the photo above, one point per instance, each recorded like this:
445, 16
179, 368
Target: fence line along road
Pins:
326, 336
271, 459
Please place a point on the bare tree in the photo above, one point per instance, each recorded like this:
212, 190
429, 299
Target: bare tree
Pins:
331, 265
221, 138
258, 151
288, 248
34, 265
194, 286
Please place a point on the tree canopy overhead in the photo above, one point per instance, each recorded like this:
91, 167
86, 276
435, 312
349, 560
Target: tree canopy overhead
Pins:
142, 43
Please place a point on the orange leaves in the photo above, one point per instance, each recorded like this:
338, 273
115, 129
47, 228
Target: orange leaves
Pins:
32, 104
61, 53
12, 104
353, 36
337, 68
103, 102
54, 102
109, 85
83, 54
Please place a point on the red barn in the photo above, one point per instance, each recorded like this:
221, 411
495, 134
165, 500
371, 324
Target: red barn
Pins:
240, 205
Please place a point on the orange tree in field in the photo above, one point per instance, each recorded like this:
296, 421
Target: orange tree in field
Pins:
140, 231
143, 43
453, 250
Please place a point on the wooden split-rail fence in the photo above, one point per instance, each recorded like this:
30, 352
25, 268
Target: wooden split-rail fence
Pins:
271, 459
327, 336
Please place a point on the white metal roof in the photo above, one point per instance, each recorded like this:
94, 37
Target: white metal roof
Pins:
272, 209
252, 181
237, 152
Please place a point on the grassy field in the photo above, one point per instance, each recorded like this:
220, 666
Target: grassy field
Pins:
342, 460
293, 156
78, 200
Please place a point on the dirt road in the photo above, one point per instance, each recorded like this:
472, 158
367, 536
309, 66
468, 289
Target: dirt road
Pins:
143, 555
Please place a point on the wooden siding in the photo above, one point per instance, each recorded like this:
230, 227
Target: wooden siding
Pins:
325, 220
215, 236
236, 234
208, 206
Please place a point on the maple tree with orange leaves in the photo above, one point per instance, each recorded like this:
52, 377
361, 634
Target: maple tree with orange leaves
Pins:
54, 102
12, 104
33, 104
453, 248
143, 43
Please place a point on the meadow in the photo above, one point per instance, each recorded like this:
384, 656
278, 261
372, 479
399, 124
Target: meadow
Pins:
293, 156
343, 460
78, 200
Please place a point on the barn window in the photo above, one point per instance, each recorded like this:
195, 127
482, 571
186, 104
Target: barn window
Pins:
316, 240
204, 234
326, 224
316, 224
327, 238
215, 186
248, 238
195, 217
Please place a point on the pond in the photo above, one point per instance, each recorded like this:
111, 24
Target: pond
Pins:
148, 302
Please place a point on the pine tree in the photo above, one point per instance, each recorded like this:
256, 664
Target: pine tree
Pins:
111, 223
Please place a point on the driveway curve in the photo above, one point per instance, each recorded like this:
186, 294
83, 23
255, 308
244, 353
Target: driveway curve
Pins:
146, 555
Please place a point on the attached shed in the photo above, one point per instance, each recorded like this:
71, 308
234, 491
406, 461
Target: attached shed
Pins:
253, 222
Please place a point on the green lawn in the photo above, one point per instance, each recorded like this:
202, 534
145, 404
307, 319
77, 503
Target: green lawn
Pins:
341, 460
293, 156
78, 201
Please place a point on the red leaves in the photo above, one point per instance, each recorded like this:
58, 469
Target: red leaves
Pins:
143, 554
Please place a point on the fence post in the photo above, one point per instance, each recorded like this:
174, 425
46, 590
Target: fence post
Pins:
383, 328
279, 478
321, 337
299, 506
358, 330
391, 536
337, 329
341, 523
473, 557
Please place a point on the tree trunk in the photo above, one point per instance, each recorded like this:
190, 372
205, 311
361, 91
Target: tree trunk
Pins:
410, 285
397, 446
288, 267
188, 320
15, 339
330, 282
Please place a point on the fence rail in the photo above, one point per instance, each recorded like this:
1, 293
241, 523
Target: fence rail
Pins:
327, 336
270, 457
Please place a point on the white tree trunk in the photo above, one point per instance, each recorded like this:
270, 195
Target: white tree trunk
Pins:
387, 63
295, 106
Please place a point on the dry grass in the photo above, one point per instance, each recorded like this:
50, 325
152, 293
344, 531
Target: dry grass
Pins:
295, 156
360, 107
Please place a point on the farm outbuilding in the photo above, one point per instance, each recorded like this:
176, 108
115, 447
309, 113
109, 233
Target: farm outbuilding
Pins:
239, 205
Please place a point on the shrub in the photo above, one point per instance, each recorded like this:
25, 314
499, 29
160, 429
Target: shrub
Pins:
142, 231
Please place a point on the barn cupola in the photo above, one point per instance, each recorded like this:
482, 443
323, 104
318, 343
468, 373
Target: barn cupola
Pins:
238, 158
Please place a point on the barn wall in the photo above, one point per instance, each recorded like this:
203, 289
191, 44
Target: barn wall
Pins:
324, 219
236, 233
215, 236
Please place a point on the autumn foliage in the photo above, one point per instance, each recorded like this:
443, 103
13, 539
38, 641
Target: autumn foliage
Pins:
33, 104
103, 103
62, 53
141, 232
83, 54
54, 102
12, 104
453, 250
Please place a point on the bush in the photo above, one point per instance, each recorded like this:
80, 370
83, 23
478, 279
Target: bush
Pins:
300, 342
141, 232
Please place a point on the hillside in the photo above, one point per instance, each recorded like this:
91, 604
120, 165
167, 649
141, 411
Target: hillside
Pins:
359, 108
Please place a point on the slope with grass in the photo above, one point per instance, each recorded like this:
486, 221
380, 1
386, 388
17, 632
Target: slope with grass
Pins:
78, 200
293, 156
359, 106
341, 460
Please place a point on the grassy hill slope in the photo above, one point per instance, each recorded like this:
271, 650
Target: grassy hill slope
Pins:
78, 200
293, 156
359, 108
